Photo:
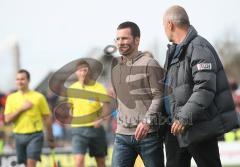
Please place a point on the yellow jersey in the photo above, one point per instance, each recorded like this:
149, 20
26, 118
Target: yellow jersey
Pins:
86, 105
29, 121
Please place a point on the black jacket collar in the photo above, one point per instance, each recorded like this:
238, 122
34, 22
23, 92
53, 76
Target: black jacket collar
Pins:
192, 33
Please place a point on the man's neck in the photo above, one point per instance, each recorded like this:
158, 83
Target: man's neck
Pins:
132, 55
180, 36
84, 81
23, 91
81, 81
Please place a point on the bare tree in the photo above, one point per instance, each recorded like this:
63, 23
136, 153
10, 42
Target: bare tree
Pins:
229, 51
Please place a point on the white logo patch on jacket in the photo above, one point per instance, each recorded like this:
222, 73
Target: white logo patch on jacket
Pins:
204, 66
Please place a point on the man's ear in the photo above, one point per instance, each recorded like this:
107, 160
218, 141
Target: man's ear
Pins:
170, 25
137, 40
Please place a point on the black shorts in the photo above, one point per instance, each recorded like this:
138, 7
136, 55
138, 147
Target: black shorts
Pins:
29, 146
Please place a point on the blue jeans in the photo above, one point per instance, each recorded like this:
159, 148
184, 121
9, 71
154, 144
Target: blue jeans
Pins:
126, 149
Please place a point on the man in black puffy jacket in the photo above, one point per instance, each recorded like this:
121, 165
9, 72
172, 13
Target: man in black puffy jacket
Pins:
197, 96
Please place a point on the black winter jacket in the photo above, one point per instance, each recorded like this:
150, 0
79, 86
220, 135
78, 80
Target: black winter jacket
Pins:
200, 96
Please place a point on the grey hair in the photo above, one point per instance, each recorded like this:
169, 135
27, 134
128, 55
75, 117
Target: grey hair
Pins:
177, 15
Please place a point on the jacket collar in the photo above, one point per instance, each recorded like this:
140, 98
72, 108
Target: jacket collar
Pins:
192, 33
124, 60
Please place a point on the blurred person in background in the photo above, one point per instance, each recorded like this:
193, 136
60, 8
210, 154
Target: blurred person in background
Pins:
3, 98
235, 93
29, 112
88, 134
234, 134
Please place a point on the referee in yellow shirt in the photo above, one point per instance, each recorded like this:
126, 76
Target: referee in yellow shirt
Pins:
87, 133
28, 111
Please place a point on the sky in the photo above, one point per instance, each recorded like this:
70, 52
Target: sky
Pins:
51, 33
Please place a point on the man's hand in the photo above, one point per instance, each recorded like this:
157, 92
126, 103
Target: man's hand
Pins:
141, 131
27, 105
177, 127
13, 116
98, 123
48, 124
51, 143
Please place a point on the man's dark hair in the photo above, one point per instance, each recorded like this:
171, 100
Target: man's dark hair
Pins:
135, 31
26, 72
83, 62
233, 85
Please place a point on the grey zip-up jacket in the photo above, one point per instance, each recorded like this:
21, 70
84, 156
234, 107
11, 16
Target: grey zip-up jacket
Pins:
200, 96
139, 89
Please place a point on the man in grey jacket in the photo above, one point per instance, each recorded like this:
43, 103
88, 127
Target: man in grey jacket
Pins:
136, 79
197, 96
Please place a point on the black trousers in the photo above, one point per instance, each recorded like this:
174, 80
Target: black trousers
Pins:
205, 153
